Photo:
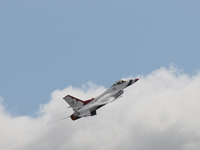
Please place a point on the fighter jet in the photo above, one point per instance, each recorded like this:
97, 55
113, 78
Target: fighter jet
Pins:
88, 108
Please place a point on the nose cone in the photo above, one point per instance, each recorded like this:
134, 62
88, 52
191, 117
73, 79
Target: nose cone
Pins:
132, 81
136, 80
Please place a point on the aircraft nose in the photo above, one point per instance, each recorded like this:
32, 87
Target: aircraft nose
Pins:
136, 80
132, 81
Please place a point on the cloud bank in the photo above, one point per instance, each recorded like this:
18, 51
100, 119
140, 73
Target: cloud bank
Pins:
160, 111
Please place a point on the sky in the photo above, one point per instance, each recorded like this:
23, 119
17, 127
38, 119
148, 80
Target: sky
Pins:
49, 49
160, 111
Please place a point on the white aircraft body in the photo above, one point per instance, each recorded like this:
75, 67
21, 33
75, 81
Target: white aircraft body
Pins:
89, 107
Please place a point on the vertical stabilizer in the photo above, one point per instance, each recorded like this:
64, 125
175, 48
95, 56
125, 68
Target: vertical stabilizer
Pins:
73, 101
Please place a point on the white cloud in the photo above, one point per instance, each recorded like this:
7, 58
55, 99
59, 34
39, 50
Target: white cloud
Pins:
160, 111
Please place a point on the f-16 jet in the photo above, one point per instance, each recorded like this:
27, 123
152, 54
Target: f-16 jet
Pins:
88, 108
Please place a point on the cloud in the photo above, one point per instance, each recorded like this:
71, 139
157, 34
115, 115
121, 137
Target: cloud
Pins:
160, 111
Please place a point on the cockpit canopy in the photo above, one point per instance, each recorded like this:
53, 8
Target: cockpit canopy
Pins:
118, 82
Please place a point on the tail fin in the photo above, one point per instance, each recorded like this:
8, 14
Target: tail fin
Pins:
75, 102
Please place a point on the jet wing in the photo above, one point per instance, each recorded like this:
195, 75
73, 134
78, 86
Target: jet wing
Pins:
106, 101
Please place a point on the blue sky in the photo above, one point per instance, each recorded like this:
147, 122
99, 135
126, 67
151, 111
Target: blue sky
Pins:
49, 45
